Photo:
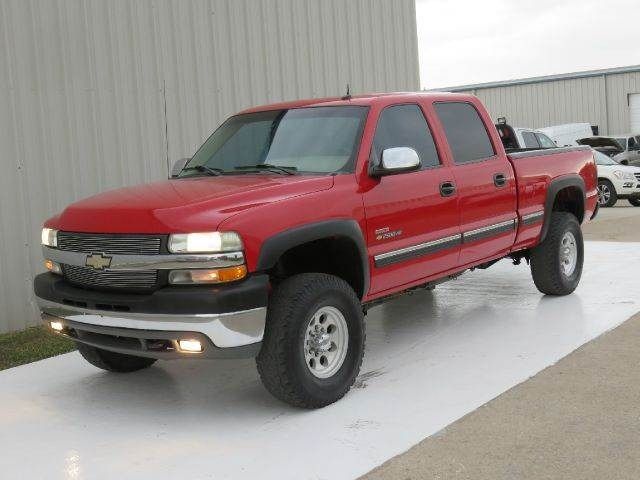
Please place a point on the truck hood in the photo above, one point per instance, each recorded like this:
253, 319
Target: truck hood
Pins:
620, 167
182, 205
601, 142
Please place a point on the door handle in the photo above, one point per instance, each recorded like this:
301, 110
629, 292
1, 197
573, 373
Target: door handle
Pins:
447, 189
499, 180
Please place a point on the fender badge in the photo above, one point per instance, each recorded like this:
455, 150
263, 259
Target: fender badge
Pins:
98, 261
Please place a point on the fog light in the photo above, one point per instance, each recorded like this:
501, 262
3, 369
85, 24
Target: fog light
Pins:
218, 275
53, 267
190, 346
57, 326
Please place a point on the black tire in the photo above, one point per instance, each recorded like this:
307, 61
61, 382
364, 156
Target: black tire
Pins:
635, 201
112, 361
281, 362
546, 259
607, 195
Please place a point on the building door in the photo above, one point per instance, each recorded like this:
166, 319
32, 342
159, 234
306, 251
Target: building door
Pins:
634, 112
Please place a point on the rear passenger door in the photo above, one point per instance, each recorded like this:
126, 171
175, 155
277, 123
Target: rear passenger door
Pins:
412, 229
485, 183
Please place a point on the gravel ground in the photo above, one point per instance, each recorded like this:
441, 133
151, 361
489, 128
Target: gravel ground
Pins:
578, 419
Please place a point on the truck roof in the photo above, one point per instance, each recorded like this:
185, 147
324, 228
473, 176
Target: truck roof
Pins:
361, 100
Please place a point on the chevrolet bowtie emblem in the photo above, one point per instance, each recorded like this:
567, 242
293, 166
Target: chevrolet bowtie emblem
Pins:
98, 261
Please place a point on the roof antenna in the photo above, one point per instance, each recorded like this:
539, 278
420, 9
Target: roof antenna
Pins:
348, 95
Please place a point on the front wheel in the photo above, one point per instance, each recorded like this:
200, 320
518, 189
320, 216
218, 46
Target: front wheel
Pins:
607, 196
314, 340
635, 201
556, 263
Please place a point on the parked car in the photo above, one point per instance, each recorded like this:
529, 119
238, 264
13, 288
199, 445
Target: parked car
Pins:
616, 181
567, 134
624, 149
292, 220
517, 138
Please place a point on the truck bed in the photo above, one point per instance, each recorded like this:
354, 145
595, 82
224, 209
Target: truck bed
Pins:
535, 170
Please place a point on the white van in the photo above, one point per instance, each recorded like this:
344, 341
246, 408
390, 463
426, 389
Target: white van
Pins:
566, 135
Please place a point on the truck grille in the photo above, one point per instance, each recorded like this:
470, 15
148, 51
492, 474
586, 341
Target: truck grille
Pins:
88, 277
637, 176
110, 244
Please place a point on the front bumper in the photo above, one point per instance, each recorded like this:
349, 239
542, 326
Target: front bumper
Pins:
627, 188
228, 321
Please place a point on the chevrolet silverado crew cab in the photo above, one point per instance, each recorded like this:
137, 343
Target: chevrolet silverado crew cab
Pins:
292, 220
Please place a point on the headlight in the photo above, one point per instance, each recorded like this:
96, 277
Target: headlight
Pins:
619, 174
49, 237
207, 242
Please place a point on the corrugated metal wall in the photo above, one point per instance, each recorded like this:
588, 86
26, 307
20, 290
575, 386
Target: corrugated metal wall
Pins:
99, 94
600, 100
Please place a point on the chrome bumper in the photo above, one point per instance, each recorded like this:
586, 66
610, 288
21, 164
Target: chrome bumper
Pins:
233, 330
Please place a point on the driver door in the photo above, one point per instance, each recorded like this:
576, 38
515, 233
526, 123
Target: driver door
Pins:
412, 219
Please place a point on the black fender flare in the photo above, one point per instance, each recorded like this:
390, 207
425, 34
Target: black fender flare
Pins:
273, 247
572, 180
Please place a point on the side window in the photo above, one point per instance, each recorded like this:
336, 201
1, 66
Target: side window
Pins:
465, 131
633, 145
530, 140
405, 126
544, 141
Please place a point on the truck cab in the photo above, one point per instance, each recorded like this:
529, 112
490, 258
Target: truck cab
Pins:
292, 220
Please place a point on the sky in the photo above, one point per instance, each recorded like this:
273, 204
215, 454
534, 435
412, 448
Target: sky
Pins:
474, 41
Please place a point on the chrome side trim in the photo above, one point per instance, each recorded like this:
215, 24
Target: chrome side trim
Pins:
489, 230
149, 262
225, 330
532, 218
426, 248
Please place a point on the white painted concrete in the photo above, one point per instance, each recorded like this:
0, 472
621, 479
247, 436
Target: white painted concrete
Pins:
431, 358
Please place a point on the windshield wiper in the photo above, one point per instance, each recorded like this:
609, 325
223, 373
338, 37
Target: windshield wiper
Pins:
203, 168
268, 166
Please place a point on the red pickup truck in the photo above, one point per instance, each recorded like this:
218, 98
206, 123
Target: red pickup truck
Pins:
292, 220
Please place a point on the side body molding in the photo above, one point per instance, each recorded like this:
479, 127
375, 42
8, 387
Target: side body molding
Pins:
572, 180
273, 247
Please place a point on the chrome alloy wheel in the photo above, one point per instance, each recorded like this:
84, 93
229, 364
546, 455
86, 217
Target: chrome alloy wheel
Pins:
604, 194
326, 342
568, 253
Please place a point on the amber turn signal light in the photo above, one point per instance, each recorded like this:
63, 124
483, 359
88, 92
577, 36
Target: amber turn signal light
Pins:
217, 275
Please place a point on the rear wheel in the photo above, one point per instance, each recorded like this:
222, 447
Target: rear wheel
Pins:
607, 196
112, 361
556, 263
635, 201
314, 340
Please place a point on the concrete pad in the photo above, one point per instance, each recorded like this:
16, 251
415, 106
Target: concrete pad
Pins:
431, 358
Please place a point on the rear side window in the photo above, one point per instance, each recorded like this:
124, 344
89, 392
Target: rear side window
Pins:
544, 141
530, 140
405, 126
465, 131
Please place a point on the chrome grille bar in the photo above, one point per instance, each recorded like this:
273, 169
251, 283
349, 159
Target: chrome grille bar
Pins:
124, 244
89, 277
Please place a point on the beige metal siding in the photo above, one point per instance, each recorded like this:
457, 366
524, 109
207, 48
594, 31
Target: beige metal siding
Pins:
83, 88
599, 100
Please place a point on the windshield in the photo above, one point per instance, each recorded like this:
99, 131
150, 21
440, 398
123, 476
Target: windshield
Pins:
306, 140
622, 141
602, 159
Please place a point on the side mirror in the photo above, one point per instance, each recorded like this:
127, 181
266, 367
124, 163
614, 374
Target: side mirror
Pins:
396, 160
624, 162
178, 166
